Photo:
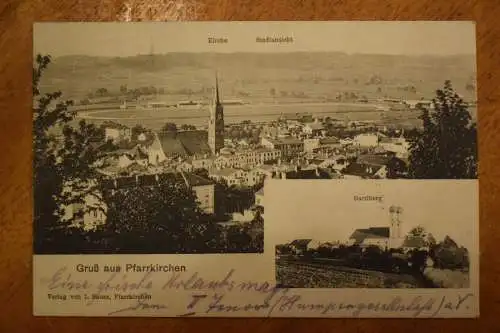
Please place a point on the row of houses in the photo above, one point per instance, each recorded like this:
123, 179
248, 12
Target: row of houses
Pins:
292, 146
237, 177
248, 168
230, 158
192, 147
306, 126
369, 237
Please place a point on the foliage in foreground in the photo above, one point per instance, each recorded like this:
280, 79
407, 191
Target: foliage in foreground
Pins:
447, 147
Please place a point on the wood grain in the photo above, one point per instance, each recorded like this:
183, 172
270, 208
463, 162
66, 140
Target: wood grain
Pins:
16, 19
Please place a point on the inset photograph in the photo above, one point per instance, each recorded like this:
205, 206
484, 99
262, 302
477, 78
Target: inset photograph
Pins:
402, 234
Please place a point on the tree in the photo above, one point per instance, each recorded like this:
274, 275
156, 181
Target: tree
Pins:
431, 241
187, 127
412, 134
134, 93
123, 89
418, 260
235, 133
62, 162
102, 92
375, 79
470, 87
238, 240
170, 127
417, 232
204, 238
153, 219
396, 168
151, 90
447, 146
448, 255
137, 130
421, 234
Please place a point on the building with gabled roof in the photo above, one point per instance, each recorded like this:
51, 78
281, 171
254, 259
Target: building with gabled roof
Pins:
230, 175
195, 142
366, 140
315, 128
399, 146
116, 132
300, 245
298, 173
373, 159
388, 162
181, 144
362, 171
289, 146
378, 236
384, 237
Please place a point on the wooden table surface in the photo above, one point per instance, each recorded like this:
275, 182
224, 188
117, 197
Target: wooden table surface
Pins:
16, 19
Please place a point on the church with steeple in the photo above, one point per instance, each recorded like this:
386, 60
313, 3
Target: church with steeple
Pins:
197, 143
216, 122
390, 237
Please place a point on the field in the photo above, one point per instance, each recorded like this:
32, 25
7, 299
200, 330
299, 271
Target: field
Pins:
256, 113
446, 278
272, 84
296, 274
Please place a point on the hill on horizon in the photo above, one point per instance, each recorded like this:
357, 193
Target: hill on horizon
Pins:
255, 74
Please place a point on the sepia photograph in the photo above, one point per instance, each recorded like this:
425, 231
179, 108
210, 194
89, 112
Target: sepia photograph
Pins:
144, 145
400, 234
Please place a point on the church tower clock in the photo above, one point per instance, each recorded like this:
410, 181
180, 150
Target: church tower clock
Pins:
216, 122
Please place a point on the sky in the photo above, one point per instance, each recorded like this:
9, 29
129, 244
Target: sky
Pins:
131, 38
326, 211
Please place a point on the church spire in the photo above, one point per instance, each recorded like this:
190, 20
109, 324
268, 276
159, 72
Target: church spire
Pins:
217, 99
216, 121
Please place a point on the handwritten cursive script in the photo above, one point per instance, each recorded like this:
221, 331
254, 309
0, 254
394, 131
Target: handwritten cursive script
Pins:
229, 295
289, 302
139, 306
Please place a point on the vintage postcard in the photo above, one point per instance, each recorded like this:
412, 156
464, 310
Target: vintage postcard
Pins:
155, 142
